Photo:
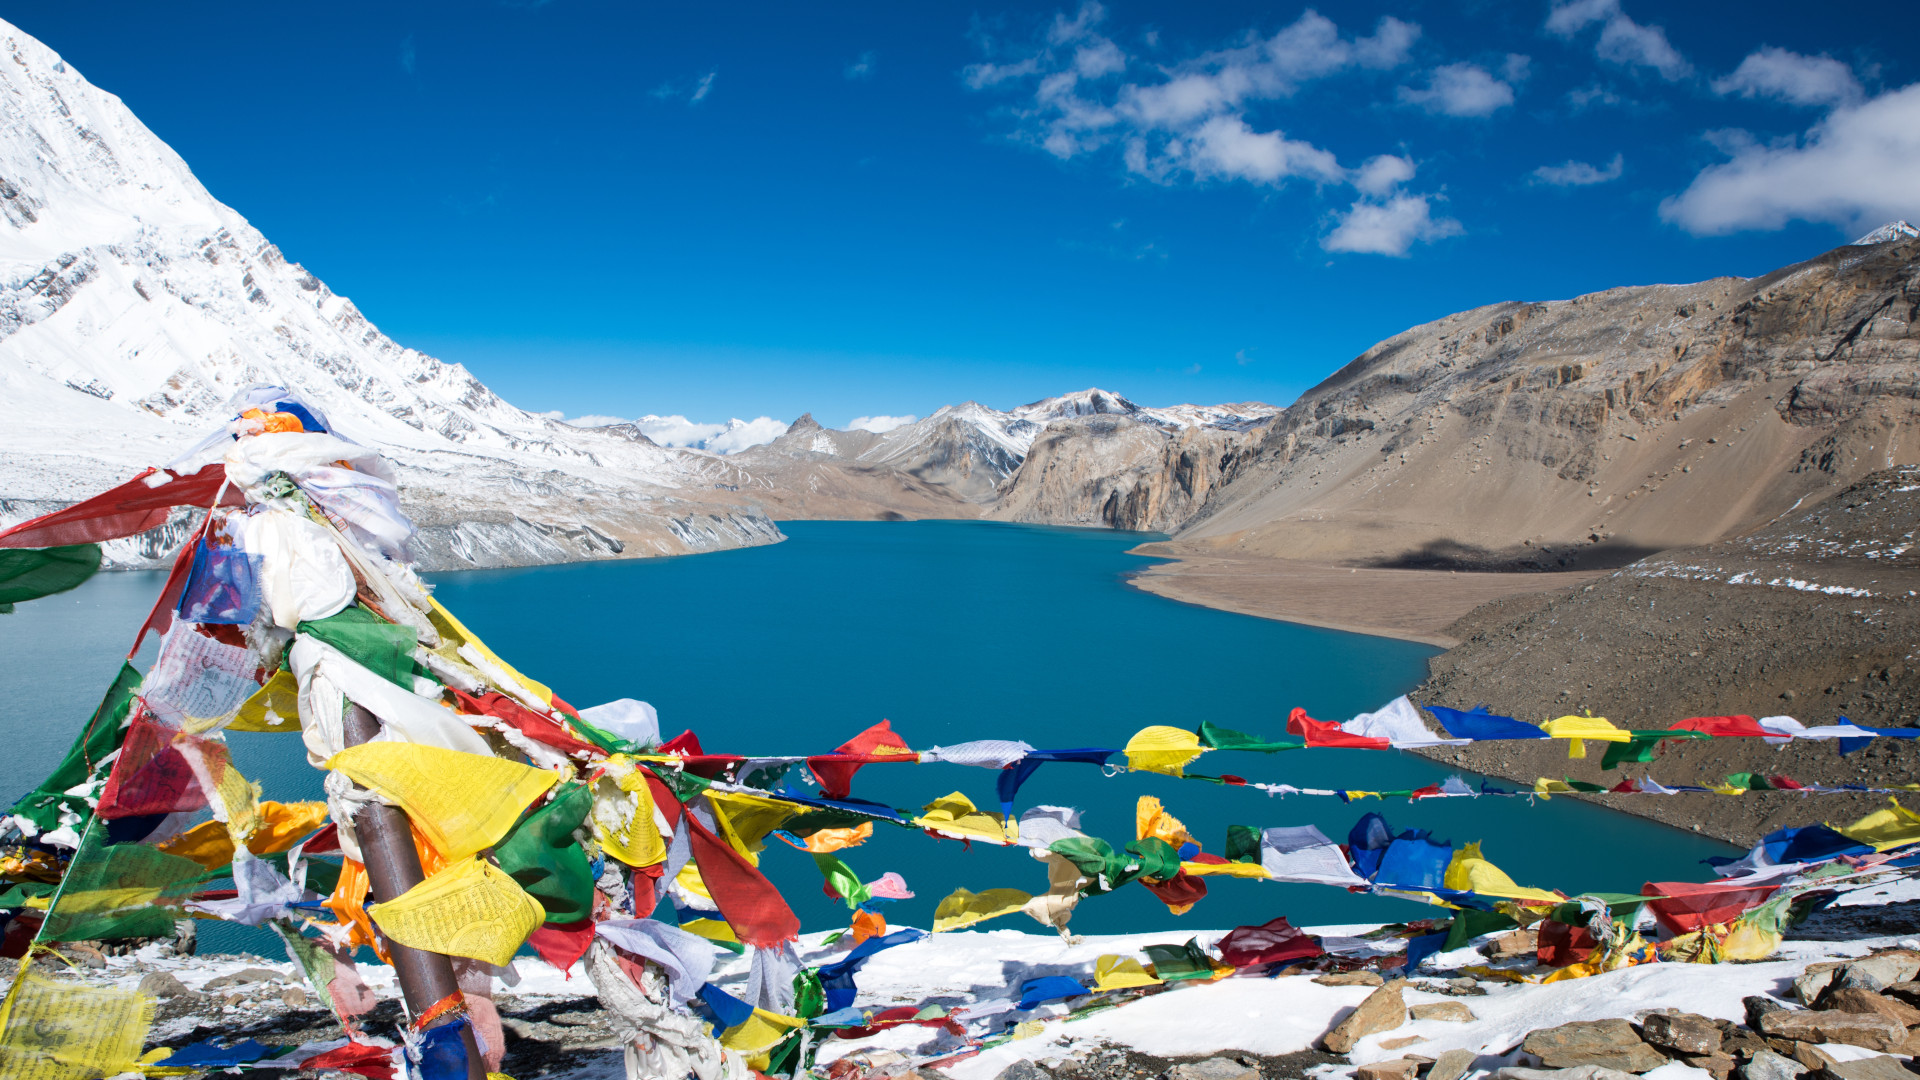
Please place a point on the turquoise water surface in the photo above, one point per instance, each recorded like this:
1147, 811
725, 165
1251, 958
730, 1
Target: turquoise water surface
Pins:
953, 631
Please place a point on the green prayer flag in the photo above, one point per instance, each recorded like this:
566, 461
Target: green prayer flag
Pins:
1220, 738
1641, 745
119, 891
31, 573
1175, 962
384, 648
809, 995
1243, 844
86, 759
542, 855
1158, 859
842, 879
1470, 924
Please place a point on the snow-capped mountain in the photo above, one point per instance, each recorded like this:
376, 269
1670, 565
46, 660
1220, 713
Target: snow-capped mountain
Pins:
1886, 234
133, 304
967, 452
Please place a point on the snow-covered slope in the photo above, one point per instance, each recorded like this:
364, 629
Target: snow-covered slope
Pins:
133, 305
1888, 233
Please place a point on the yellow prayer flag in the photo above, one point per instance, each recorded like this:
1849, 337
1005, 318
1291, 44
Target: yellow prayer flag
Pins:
1163, 749
711, 929
1152, 819
1884, 829
760, 1032
964, 908
453, 634
622, 816
1547, 789
745, 820
64, 1031
956, 815
281, 826
1585, 727
463, 802
1226, 869
273, 707
1119, 973
471, 908
1471, 872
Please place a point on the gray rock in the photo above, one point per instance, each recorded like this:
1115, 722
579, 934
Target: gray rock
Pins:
1815, 978
1577, 1072
1383, 1010
1213, 1068
1684, 1033
1609, 1043
1396, 1069
1023, 1070
1858, 999
1873, 1068
1830, 1026
1443, 1010
1879, 971
1767, 1065
1350, 978
243, 977
1451, 1065
162, 984
1758, 1008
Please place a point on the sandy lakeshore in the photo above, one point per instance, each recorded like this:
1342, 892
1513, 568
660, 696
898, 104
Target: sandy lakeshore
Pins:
1413, 605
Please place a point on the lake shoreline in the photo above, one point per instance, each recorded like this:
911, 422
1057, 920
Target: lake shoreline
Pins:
1408, 605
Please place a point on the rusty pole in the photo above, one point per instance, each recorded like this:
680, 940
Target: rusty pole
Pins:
393, 867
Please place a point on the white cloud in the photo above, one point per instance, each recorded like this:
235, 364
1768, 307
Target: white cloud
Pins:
861, 68
1594, 94
879, 424
701, 88
1390, 227
1517, 68
1622, 41
1579, 173
1859, 166
1380, 175
1460, 90
1191, 119
741, 434
677, 430
589, 420
1792, 78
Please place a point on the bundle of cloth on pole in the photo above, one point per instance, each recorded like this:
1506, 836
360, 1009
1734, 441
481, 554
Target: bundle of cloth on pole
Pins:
472, 815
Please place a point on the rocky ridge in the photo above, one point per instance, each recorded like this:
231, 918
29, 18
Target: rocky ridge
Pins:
1591, 431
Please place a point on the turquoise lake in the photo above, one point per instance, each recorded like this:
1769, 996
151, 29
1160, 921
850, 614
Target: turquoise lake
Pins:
953, 631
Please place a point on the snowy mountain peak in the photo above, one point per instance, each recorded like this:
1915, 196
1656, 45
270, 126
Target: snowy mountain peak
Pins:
1886, 234
133, 305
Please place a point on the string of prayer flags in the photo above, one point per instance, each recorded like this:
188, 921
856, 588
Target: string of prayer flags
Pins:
472, 909
463, 802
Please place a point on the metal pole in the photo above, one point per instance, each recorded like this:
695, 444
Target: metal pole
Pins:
393, 867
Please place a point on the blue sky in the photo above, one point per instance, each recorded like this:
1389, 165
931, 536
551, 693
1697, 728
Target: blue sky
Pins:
879, 208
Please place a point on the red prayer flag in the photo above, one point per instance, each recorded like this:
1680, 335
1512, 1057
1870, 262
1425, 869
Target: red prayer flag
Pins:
1685, 906
1322, 733
877, 742
128, 510
540, 729
1179, 892
151, 775
1562, 945
1269, 943
562, 944
370, 1061
755, 910
1721, 727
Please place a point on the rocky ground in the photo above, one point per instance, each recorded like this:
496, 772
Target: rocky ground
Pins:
1815, 616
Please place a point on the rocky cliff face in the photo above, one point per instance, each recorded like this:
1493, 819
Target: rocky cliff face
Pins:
133, 305
1121, 473
1591, 431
